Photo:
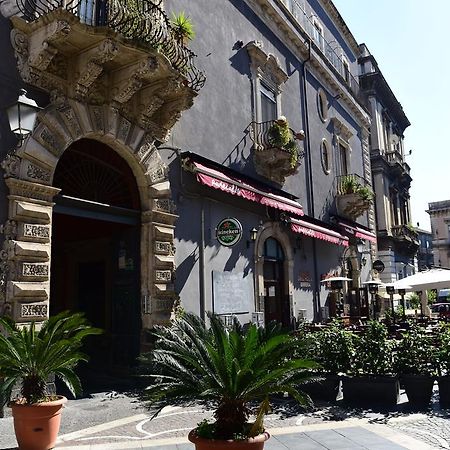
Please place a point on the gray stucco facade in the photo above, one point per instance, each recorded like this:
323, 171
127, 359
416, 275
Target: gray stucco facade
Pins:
169, 157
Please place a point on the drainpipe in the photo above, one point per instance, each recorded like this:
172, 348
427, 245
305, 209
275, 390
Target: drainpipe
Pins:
310, 185
201, 247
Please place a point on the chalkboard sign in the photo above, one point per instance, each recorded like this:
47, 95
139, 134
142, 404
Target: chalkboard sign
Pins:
232, 293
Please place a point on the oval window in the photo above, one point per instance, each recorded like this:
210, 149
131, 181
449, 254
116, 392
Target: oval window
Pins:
322, 105
325, 156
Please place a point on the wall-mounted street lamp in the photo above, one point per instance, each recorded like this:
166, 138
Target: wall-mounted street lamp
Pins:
253, 234
373, 286
22, 116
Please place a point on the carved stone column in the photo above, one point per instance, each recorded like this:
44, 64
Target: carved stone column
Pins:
27, 249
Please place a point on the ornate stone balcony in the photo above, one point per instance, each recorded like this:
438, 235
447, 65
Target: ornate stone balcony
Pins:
353, 196
405, 233
118, 52
275, 151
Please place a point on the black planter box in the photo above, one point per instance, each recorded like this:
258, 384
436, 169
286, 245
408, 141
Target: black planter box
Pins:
444, 391
328, 388
419, 389
382, 390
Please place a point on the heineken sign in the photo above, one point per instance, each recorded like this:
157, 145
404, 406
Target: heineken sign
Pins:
229, 231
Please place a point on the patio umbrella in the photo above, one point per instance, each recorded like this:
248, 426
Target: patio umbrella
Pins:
436, 278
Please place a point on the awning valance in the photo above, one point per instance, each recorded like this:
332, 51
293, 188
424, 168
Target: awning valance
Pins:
232, 185
318, 232
358, 232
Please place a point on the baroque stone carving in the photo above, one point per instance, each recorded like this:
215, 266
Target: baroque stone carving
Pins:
35, 270
49, 141
71, 120
164, 276
124, 129
57, 32
163, 248
103, 53
37, 173
31, 230
34, 310
165, 205
11, 165
9, 229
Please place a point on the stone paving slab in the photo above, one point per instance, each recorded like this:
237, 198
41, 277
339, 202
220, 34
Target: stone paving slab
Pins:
111, 420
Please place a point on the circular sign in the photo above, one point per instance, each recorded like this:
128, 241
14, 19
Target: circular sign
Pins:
229, 231
378, 265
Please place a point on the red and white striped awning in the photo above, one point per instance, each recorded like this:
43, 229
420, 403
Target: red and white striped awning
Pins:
234, 186
318, 232
358, 232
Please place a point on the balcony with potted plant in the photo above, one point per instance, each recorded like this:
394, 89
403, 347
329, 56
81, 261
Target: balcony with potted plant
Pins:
353, 196
276, 151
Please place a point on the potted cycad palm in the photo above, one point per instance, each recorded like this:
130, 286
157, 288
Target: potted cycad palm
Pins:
29, 358
227, 369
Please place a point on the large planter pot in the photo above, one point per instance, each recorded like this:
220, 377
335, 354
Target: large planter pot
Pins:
328, 388
255, 443
381, 390
419, 389
37, 425
444, 391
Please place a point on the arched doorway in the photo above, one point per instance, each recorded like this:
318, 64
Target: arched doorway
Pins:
95, 262
276, 301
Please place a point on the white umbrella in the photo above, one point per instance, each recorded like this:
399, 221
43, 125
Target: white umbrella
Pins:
428, 279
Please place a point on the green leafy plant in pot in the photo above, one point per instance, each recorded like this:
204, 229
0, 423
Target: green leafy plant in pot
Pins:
373, 380
182, 28
29, 358
227, 369
416, 363
281, 136
333, 349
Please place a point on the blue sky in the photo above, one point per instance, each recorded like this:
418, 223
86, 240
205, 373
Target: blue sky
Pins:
409, 39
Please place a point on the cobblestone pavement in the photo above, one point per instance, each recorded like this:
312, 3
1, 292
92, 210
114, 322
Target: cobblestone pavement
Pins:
111, 418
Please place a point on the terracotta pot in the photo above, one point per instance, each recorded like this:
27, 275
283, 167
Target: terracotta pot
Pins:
37, 425
256, 443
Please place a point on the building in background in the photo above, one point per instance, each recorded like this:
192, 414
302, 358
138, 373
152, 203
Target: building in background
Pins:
425, 258
440, 230
397, 239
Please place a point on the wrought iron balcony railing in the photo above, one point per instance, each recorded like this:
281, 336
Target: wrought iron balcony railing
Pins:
141, 20
328, 51
405, 232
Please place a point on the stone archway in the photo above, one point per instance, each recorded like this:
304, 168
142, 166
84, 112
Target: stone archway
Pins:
26, 254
